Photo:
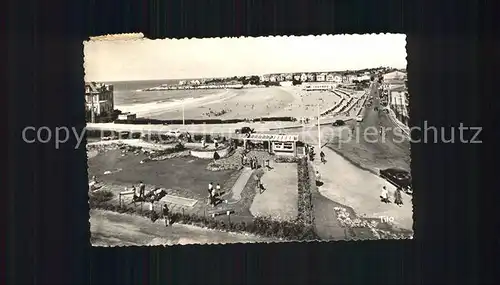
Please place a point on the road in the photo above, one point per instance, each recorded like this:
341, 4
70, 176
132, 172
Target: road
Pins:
207, 128
353, 187
114, 229
366, 147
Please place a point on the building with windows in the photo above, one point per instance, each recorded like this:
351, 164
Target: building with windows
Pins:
303, 77
276, 144
311, 77
398, 102
99, 97
323, 86
321, 77
330, 77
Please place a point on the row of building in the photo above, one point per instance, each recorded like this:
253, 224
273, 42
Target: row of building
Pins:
316, 77
394, 87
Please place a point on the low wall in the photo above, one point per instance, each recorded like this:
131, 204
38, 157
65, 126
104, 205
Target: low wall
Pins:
209, 154
146, 121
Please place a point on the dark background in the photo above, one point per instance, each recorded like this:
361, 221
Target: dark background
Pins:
47, 226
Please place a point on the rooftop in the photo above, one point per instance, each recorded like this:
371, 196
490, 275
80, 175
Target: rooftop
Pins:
271, 137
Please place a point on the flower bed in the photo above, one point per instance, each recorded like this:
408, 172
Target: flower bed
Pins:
177, 151
305, 206
232, 161
353, 224
286, 159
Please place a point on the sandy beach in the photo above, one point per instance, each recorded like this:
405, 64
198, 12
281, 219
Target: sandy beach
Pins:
236, 103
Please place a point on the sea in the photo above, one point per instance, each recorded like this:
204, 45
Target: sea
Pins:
128, 92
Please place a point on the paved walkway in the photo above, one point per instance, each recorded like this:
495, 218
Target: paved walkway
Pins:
325, 219
279, 199
240, 184
346, 184
114, 229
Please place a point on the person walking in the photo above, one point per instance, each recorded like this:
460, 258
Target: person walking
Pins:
384, 195
216, 143
322, 155
142, 189
398, 198
166, 216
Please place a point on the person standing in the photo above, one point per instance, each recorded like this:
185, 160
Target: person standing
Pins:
216, 143
142, 189
165, 212
151, 211
217, 189
212, 198
210, 188
398, 198
384, 195
322, 155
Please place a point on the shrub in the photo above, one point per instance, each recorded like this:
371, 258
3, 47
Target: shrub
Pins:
305, 207
263, 226
101, 196
285, 159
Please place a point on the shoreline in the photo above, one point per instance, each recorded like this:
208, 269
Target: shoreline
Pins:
162, 106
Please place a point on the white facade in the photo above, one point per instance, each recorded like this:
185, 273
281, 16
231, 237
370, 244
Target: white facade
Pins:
303, 77
99, 96
321, 77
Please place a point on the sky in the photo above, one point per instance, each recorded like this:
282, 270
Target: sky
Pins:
145, 59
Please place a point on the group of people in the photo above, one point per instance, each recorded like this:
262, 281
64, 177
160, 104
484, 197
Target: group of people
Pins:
252, 161
213, 193
204, 143
310, 151
138, 195
398, 198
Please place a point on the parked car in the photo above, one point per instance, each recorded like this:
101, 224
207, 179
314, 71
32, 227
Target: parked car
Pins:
174, 133
398, 177
245, 130
338, 123
124, 135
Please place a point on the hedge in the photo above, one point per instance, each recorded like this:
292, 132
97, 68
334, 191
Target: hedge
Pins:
286, 159
261, 226
305, 205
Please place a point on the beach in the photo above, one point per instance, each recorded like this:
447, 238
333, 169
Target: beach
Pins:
247, 103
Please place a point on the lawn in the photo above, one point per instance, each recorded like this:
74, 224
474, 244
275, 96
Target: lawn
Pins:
280, 197
186, 173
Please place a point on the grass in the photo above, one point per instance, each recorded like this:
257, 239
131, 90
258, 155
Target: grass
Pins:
175, 173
